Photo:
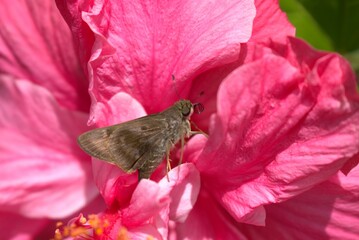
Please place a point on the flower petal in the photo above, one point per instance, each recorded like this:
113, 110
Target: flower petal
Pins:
182, 188
41, 171
151, 203
145, 232
327, 211
207, 220
271, 22
36, 44
140, 208
350, 164
184, 185
279, 129
154, 41
146, 214
16, 227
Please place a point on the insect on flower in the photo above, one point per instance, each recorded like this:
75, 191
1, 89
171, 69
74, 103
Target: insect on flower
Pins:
142, 143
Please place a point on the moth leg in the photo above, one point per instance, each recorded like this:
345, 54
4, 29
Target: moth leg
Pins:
197, 132
168, 160
182, 146
181, 155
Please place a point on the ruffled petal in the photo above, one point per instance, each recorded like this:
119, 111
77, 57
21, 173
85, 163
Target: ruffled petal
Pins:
42, 174
282, 127
139, 46
327, 211
270, 23
151, 204
173, 198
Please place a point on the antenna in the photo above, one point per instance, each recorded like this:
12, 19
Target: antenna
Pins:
175, 85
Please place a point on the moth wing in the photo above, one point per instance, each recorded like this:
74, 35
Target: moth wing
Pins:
135, 142
96, 142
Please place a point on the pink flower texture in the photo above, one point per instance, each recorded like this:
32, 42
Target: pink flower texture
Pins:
282, 121
286, 124
44, 176
281, 117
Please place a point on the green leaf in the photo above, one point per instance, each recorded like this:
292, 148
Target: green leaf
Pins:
306, 25
353, 58
323, 22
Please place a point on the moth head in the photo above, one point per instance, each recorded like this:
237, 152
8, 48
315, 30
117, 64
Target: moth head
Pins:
186, 108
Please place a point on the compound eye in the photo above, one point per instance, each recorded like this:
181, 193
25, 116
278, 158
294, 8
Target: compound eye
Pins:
186, 111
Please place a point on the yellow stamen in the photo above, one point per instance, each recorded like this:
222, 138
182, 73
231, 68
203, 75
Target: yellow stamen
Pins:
94, 221
83, 220
59, 224
123, 234
78, 231
58, 235
99, 231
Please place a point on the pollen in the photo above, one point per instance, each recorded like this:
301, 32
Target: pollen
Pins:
58, 235
82, 220
94, 221
81, 228
59, 224
123, 234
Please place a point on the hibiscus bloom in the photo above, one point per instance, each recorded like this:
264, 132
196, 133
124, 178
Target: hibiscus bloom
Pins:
275, 112
113, 103
218, 155
270, 107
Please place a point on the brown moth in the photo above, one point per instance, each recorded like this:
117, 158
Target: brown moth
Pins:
142, 143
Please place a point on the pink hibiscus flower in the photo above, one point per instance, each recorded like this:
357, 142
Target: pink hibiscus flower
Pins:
292, 114
270, 109
281, 120
113, 103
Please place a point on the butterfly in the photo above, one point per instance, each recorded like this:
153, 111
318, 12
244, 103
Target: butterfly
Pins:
142, 143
